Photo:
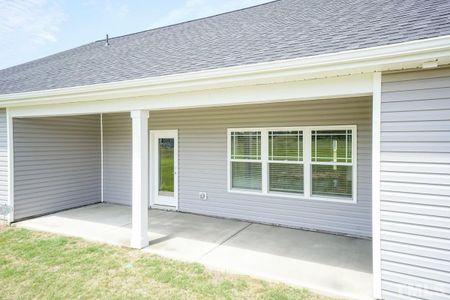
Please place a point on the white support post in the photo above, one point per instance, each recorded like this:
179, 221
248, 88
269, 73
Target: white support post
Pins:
101, 157
376, 198
9, 126
139, 229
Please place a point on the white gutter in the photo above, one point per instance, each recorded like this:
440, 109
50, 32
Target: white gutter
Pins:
383, 58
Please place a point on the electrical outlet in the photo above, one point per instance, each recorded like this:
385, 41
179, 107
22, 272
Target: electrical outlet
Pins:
203, 196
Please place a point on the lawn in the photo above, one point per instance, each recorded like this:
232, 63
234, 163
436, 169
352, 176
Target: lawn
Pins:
166, 168
38, 265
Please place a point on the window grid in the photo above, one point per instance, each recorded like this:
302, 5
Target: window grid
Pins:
339, 185
317, 159
284, 167
306, 160
254, 137
298, 135
249, 163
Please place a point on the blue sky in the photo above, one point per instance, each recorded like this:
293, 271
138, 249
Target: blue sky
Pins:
30, 29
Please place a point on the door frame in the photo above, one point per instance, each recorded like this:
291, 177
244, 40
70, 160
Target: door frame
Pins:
153, 167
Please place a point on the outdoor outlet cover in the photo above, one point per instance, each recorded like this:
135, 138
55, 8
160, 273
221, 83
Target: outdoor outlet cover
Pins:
203, 195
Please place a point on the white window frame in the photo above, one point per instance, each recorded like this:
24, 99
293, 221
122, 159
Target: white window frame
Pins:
230, 160
293, 162
307, 162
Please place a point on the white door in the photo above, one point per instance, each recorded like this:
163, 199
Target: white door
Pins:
164, 168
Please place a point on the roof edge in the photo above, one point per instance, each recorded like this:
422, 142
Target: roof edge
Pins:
399, 56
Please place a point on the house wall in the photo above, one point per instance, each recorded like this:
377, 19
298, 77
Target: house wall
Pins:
415, 185
203, 162
57, 164
117, 158
3, 158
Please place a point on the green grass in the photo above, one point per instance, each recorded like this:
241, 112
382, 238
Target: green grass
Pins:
44, 266
166, 170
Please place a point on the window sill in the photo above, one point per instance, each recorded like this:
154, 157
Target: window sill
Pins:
293, 196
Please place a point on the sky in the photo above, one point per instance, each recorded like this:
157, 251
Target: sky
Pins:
31, 29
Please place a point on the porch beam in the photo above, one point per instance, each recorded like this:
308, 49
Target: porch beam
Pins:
314, 89
139, 228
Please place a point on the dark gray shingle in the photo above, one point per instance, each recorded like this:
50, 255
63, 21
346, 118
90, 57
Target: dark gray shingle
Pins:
277, 30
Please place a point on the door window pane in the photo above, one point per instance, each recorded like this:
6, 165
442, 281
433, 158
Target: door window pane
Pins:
246, 175
335, 181
166, 166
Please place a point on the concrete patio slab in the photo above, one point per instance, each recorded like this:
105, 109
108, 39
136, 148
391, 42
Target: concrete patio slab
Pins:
189, 237
330, 264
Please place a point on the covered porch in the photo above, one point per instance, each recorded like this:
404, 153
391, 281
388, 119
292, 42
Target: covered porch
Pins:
331, 264
98, 165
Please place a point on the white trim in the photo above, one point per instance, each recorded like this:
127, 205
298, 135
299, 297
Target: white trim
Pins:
164, 207
376, 226
151, 159
101, 155
382, 58
264, 161
314, 89
354, 162
332, 163
291, 128
247, 160
153, 179
307, 181
139, 203
10, 133
307, 190
430, 64
299, 197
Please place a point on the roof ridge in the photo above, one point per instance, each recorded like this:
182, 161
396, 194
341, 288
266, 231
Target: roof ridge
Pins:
189, 21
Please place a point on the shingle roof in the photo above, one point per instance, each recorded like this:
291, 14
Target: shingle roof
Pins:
277, 30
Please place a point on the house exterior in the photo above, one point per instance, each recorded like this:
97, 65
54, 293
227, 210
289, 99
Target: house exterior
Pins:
332, 117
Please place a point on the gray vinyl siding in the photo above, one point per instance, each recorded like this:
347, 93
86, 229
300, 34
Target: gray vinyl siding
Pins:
203, 162
415, 185
3, 158
117, 158
57, 164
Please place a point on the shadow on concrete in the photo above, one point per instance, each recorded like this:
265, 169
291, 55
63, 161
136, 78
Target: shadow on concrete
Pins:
336, 264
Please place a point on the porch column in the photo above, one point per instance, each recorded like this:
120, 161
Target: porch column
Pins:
139, 236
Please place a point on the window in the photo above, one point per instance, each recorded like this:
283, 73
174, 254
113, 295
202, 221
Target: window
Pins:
331, 163
302, 162
286, 161
246, 160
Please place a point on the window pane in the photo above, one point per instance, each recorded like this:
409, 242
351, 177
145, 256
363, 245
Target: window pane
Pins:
246, 175
286, 178
166, 167
332, 180
246, 145
331, 146
286, 145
